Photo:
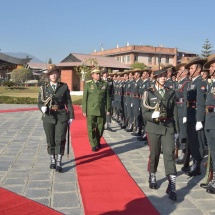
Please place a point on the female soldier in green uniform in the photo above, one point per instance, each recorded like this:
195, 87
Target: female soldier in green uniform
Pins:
160, 112
55, 103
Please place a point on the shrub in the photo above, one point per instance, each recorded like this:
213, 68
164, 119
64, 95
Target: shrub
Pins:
8, 83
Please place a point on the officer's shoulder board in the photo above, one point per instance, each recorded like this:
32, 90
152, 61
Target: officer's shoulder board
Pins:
88, 81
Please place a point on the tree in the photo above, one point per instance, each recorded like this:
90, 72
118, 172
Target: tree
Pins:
206, 49
84, 71
138, 65
21, 75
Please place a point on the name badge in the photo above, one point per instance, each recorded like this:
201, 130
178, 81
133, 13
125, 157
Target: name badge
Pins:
192, 87
153, 98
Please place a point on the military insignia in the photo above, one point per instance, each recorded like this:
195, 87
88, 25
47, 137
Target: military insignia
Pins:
170, 87
192, 87
91, 87
213, 90
103, 88
153, 98
203, 88
179, 86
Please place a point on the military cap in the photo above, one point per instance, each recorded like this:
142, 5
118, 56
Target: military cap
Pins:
184, 61
158, 69
210, 60
195, 60
95, 70
146, 69
104, 70
52, 68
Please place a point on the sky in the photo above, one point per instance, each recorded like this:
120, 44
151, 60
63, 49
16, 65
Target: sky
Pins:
55, 28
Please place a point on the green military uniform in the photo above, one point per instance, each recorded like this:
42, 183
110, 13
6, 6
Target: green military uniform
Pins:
161, 132
96, 103
55, 121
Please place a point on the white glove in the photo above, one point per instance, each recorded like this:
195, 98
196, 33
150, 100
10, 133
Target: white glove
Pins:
199, 126
70, 121
184, 119
176, 136
131, 104
43, 109
155, 114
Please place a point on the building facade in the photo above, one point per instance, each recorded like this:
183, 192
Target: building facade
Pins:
149, 55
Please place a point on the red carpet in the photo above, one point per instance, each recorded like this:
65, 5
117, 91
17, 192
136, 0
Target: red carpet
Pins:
106, 186
17, 110
13, 204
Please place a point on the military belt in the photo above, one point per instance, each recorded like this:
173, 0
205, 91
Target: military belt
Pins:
180, 100
57, 107
191, 104
210, 109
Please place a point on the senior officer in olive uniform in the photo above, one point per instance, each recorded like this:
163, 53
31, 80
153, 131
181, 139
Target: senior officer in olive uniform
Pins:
95, 106
194, 114
210, 118
160, 112
55, 103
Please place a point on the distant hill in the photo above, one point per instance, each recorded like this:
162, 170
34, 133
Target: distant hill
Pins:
24, 55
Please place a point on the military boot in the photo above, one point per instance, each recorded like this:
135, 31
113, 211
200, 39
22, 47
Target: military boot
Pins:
195, 169
130, 128
58, 163
180, 159
211, 185
186, 166
137, 132
171, 187
53, 162
152, 181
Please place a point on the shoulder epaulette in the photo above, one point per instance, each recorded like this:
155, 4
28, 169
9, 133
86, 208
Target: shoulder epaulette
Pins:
88, 81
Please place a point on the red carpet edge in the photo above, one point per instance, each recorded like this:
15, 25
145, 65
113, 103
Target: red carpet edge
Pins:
105, 185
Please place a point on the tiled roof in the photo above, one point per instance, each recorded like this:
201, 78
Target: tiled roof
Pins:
9, 59
37, 65
109, 62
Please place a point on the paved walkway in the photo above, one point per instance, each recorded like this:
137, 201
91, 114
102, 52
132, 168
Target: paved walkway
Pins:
24, 169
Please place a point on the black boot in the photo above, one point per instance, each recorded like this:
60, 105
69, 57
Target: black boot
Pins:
180, 159
195, 169
53, 162
186, 167
137, 132
130, 128
152, 181
58, 162
211, 185
171, 187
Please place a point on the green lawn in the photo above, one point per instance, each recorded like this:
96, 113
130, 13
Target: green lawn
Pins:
31, 92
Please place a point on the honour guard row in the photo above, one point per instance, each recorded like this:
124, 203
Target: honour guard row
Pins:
170, 108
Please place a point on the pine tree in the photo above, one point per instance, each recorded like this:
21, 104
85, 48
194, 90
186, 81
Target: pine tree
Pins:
206, 49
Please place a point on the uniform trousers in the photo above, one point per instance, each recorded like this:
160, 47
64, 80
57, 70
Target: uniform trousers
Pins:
168, 146
210, 135
95, 127
195, 139
55, 137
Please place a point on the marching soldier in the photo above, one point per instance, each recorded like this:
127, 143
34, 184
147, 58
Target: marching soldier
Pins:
194, 114
56, 105
182, 84
146, 84
130, 115
106, 78
160, 112
95, 106
136, 103
210, 119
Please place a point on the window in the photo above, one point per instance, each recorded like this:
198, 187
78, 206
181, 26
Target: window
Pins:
149, 59
118, 58
167, 60
135, 58
128, 59
123, 59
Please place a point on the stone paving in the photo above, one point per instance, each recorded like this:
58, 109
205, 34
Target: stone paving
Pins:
24, 160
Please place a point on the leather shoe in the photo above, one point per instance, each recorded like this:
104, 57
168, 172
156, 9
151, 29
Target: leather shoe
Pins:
109, 129
142, 138
194, 173
94, 149
204, 185
59, 169
210, 189
52, 166
185, 168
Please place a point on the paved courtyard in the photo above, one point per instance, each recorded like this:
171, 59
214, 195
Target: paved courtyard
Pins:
24, 169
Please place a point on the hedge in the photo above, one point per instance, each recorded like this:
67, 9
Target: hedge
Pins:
26, 100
